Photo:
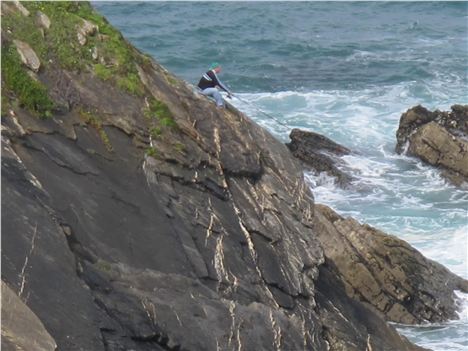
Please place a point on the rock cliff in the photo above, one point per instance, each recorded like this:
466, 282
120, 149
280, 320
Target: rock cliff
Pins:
438, 138
136, 215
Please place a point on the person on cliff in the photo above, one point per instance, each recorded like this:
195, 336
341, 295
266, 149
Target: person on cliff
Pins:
210, 82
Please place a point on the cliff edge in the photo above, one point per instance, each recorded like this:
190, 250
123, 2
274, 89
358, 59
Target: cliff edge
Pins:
136, 215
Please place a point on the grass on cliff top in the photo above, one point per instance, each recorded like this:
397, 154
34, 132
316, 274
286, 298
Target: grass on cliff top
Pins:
59, 44
31, 94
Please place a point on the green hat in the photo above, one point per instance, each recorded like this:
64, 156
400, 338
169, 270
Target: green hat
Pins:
214, 65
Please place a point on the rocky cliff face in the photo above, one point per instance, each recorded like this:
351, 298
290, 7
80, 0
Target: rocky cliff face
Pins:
136, 215
438, 138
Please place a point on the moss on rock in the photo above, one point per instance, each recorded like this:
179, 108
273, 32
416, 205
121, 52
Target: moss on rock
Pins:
31, 94
95, 121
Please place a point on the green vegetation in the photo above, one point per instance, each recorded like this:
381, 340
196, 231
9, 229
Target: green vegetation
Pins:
31, 94
59, 44
159, 111
180, 147
103, 266
161, 119
131, 82
151, 151
94, 121
102, 71
171, 80
155, 132
5, 104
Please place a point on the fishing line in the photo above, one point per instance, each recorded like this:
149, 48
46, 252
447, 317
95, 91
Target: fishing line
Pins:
262, 112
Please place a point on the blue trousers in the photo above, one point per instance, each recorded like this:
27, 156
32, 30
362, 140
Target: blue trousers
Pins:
214, 93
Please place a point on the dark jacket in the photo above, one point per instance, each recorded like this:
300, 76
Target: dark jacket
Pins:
210, 80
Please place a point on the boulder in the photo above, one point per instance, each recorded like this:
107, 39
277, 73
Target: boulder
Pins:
319, 153
27, 55
438, 138
42, 20
86, 29
11, 7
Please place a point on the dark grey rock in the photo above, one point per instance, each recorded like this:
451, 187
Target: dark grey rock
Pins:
319, 153
216, 247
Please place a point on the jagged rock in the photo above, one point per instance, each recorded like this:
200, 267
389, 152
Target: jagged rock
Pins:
21, 329
438, 138
387, 273
42, 20
373, 334
27, 55
319, 153
86, 29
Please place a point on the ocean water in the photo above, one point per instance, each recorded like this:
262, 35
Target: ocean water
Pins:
346, 70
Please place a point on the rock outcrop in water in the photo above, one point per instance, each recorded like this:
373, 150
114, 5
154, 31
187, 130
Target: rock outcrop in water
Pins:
438, 138
319, 153
136, 215
385, 272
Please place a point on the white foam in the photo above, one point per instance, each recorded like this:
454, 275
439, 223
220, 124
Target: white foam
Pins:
396, 193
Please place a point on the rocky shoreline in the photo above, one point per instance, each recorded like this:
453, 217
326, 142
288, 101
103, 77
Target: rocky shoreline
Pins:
437, 138
319, 153
136, 215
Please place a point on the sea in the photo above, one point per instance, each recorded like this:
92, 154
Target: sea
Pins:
347, 70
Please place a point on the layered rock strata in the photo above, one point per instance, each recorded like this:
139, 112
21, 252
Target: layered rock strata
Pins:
438, 138
139, 216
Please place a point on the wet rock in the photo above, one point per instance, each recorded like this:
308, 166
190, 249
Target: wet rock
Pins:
438, 138
42, 20
319, 153
21, 328
27, 55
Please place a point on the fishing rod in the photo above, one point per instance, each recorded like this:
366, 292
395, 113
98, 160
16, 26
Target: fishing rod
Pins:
260, 111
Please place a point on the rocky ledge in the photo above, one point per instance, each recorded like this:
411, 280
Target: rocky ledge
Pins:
138, 216
438, 138
319, 154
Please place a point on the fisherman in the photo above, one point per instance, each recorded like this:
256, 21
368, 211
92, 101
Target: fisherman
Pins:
209, 83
